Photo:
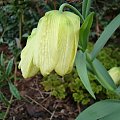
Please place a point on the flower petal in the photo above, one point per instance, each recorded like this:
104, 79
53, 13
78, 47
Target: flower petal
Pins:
26, 64
68, 39
46, 54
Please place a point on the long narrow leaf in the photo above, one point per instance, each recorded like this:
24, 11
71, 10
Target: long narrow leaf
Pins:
106, 34
9, 67
85, 30
2, 59
86, 7
14, 90
82, 71
100, 110
103, 76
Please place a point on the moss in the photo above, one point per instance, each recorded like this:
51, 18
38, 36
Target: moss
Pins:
59, 87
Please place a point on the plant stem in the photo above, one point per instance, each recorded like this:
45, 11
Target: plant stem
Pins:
20, 27
72, 8
8, 108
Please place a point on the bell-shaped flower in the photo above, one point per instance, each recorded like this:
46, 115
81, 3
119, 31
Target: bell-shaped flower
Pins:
115, 74
53, 46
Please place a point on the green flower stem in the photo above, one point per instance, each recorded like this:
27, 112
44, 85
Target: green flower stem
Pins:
72, 8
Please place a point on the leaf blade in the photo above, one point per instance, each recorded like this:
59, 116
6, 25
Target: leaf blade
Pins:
81, 67
99, 110
85, 30
2, 60
9, 67
106, 34
14, 90
86, 7
103, 76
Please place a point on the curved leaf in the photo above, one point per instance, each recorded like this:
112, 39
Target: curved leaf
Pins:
106, 34
85, 30
14, 90
103, 76
100, 110
81, 67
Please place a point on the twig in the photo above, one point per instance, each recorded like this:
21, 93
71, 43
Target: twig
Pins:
45, 99
13, 117
79, 109
38, 104
52, 115
39, 89
53, 112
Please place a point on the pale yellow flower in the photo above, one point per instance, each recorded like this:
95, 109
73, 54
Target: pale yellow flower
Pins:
115, 74
52, 45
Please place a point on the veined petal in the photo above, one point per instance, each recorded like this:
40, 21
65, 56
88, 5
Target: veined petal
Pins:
67, 46
46, 52
26, 64
75, 20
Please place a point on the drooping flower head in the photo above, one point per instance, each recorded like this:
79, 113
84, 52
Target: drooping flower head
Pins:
52, 45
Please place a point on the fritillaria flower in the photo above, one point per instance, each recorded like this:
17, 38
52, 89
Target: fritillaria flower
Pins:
52, 45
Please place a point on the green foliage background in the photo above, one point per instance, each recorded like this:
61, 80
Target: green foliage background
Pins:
19, 17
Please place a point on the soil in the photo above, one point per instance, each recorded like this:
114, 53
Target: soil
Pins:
36, 104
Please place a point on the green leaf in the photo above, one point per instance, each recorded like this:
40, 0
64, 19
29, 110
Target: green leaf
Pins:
100, 110
106, 34
2, 114
14, 90
103, 76
85, 30
80, 63
4, 99
89, 68
9, 67
114, 116
86, 7
2, 59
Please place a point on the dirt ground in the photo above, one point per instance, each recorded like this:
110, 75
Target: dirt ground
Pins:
36, 104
